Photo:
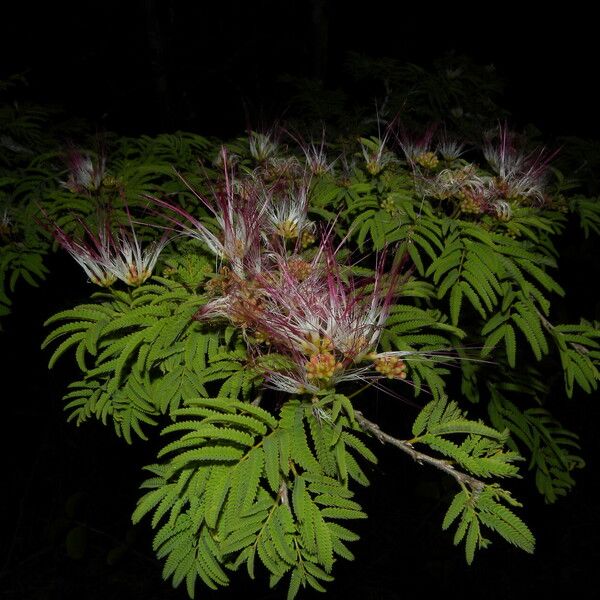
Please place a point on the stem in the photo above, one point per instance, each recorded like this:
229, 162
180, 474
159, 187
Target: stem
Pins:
551, 330
362, 389
443, 465
547, 325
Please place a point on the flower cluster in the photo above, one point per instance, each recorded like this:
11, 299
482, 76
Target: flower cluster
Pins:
106, 257
375, 154
316, 158
7, 223
85, 174
518, 177
306, 307
418, 149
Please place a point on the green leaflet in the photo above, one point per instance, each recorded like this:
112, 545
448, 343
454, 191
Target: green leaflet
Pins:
485, 508
482, 454
553, 449
157, 337
588, 210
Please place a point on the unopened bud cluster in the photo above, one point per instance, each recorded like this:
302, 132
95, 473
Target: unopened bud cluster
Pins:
391, 367
321, 367
428, 160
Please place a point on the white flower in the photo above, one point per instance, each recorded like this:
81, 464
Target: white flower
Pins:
287, 216
239, 218
375, 153
449, 149
518, 174
84, 173
316, 158
262, 145
128, 262
92, 254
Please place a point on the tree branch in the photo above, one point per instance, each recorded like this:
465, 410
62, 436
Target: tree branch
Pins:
475, 484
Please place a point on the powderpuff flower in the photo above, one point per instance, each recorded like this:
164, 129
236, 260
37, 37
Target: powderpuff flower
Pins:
316, 157
502, 155
322, 311
451, 182
105, 258
239, 219
519, 175
7, 223
287, 215
85, 174
262, 146
92, 252
375, 154
280, 169
315, 314
449, 149
313, 376
418, 150
129, 262
321, 372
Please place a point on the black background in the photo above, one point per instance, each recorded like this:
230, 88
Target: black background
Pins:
148, 65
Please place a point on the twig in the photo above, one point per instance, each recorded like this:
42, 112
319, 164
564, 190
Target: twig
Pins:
551, 330
443, 465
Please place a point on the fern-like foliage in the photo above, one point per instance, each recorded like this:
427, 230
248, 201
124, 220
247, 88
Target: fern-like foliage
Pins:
486, 508
240, 486
428, 334
588, 210
141, 353
417, 267
481, 453
553, 449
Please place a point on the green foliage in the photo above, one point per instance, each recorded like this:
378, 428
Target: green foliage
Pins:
266, 445
239, 486
141, 353
553, 449
588, 210
481, 454
485, 508
33, 175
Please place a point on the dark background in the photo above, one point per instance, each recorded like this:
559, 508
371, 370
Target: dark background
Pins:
147, 67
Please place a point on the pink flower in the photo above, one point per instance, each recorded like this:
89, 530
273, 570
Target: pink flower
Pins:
105, 258
417, 148
313, 312
85, 174
317, 321
239, 223
519, 175
92, 251
328, 310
